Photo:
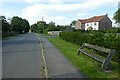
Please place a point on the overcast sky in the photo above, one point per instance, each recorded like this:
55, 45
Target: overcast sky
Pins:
61, 12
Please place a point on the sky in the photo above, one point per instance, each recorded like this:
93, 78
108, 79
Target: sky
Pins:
62, 12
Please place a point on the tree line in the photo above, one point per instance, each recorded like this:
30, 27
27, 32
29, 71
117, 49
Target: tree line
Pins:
16, 24
43, 27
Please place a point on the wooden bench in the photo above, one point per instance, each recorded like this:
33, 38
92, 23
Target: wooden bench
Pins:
105, 61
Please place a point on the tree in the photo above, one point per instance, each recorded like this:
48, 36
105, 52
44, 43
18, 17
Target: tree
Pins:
51, 25
69, 28
73, 23
19, 25
117, 16
34, 28
41, 25
26, 25
16, 24
5, 25
61, 27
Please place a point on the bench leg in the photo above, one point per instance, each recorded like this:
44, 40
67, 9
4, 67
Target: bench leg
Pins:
106, 65
78, 52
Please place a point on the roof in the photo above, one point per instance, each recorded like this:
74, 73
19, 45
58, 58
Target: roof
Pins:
92, 19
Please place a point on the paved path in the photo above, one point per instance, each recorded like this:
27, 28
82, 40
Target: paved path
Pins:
58, 65
22, 57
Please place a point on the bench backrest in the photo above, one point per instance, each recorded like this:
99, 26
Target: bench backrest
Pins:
106, 61
98, 48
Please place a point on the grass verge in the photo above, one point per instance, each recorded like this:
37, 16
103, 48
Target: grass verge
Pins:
82, 62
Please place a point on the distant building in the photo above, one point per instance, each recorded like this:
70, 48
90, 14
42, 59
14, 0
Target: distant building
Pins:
94, 23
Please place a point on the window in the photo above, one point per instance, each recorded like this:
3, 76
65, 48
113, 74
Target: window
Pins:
95, 24
87, 24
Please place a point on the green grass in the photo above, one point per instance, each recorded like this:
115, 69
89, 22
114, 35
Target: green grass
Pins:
83, 63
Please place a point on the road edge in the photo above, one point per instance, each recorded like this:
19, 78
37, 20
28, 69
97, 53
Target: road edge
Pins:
44, 60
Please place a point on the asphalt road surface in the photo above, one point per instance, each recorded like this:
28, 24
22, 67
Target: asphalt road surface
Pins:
21, 57
58, 65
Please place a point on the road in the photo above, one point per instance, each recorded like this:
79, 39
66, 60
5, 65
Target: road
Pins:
58, 65
22, 58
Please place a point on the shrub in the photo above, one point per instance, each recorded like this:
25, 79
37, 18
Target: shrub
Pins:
113, 30
107, 40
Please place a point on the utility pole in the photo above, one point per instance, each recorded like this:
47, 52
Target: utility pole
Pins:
42, 22
42, 19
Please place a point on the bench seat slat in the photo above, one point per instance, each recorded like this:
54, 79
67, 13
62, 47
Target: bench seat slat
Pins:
92, 55
98, 48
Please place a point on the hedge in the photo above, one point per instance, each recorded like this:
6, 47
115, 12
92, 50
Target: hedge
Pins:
107, 40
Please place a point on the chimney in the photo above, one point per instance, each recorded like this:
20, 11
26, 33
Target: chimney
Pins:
106, 14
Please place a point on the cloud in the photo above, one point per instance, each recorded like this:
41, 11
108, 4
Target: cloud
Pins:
81, 14
61, 20
57, 19
60, 1
60, 11
55, 1
36, 9
34, 1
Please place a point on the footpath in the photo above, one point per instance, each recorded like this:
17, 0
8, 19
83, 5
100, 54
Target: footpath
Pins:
58, 66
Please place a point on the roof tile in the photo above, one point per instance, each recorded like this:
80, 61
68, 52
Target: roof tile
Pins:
92, 19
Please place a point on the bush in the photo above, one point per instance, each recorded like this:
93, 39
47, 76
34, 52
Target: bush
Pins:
113, 30
107, 40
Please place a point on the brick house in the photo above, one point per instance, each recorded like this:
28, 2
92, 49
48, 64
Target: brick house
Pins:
95, 23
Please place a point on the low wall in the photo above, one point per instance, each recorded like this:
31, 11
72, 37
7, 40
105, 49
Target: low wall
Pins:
54, 33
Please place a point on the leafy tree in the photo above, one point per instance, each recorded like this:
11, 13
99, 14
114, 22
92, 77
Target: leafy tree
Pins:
69, 28
19, 25
41, 25
117, 16
16, 24
26, 25
51, 25
61, 27
73, 23
34, 28
5, 25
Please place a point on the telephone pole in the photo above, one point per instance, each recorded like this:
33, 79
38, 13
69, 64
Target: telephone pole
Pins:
42, 19
42, 22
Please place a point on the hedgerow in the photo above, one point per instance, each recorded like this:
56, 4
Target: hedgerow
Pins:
107, 40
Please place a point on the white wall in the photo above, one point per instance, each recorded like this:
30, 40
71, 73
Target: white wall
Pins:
91, 24
54, 33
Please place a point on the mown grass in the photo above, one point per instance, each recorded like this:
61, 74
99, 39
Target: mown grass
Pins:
83, 63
